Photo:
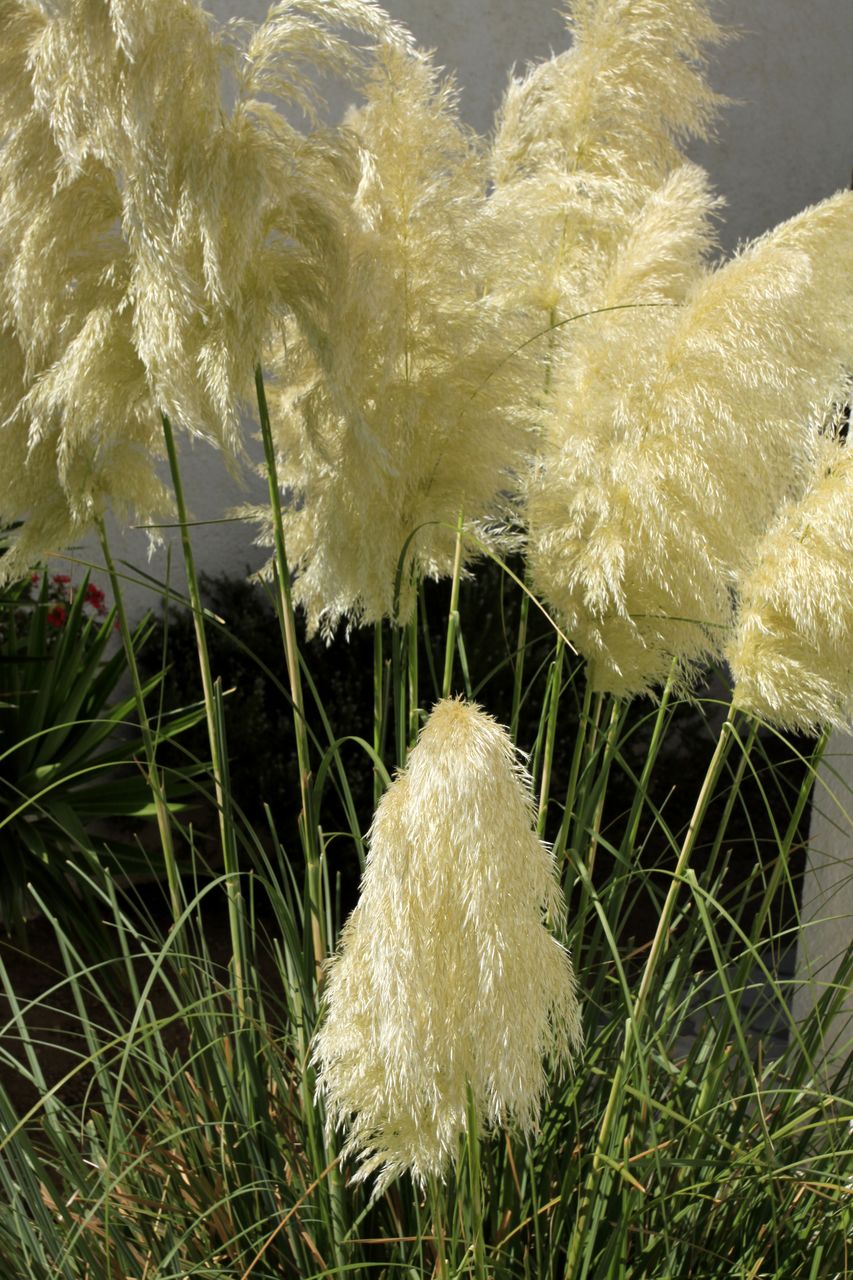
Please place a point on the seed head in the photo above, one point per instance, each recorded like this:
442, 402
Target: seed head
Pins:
673, 435
792, 652
447, 976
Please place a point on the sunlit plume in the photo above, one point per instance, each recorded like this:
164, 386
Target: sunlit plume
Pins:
414, 410
447, 977
671, 437
792, 653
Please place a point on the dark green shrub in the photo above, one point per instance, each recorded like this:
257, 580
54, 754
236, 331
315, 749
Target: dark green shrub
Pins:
69, 749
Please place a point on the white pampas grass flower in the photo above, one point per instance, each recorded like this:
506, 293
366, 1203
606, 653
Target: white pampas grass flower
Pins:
619, 102
673, 426
409, 410
584, 138
673, 435
446, 976
792, 652
152, 237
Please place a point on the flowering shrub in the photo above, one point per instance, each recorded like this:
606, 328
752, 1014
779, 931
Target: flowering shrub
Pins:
60, 592
53, 593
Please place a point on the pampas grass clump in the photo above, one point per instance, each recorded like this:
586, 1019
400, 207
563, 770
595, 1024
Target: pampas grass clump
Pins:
447, 976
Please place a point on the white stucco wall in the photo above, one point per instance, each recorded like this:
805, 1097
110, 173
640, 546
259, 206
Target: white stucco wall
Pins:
827, 905
788, 143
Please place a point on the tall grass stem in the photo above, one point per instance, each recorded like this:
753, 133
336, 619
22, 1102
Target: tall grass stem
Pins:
555, 684
378, 706
634, 1022
518, 669
155, 781
412, 631
215, 730
642, 788
453, 617
287, 619
475, 1189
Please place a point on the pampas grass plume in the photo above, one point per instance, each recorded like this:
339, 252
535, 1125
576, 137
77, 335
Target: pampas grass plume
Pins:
792, 652
674, 435
446, 975
408, 411
621, 101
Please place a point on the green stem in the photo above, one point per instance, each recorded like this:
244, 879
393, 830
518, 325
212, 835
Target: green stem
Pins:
661, 938
601, 783
628, 846
731, 800
286, 613
475, 1189
438, 1231
561, 842
164, 821
398, 679
589, 748
518, 674
412, 645
378, 706
599, 791
453, 618
648, 766
634, 1022
781, 861
555, 686
287, 621
215, 731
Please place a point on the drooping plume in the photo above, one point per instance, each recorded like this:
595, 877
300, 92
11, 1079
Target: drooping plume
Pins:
78, 430
584, 138
792, 653
409, 413
622, 101
671, 437
681, 405
152, 236
446, 976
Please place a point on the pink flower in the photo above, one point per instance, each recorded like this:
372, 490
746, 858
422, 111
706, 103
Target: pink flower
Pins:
56, 616
96, 598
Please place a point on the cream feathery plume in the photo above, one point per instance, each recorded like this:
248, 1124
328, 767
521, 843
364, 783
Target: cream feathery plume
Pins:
621, 102
229, 215
150, 241
672, 437
792, 652
22, 22
446, 976
409, 413
247, 210
78, 431
137, 87
61, 471
583, 141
